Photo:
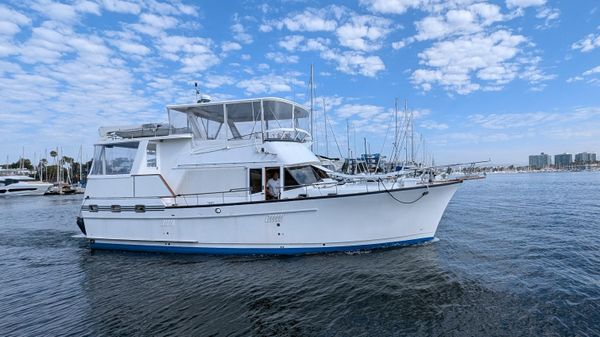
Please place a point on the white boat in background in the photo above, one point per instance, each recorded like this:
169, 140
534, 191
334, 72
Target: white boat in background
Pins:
19, 185
204, 183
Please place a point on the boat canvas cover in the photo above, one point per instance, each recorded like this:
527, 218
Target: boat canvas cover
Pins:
245, 110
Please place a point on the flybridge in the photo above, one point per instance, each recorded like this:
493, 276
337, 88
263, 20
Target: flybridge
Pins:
263, 118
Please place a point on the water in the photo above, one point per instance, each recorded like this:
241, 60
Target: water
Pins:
518, 255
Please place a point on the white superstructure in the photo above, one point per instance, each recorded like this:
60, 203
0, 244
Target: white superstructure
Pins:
197, 184
17, 185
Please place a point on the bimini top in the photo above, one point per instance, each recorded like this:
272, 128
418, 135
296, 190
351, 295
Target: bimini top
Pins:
246, 110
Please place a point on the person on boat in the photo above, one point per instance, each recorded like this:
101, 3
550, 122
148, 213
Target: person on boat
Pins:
273, 186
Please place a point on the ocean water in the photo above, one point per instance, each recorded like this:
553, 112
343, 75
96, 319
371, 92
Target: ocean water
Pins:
516, 255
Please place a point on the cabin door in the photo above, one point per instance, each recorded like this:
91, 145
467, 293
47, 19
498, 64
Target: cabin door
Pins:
272, 183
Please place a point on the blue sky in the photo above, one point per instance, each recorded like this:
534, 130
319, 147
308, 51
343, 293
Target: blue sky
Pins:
496, 80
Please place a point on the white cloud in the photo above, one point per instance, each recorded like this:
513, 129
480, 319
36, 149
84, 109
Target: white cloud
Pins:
471, 19
433, 125
524, 3
216, 81
281, 57
173, 8
595, 70
228, 46
56, 11
195, 53
589, 43
364, 111
550, 16
239, 32
392, 6
399, 44
87, 7
269, 84
458, 65
48, 43
363, 32
299, 43
533, 119
121, 6
588, 75
130, 47
11, 21
351, 62
291, 42
312, 20
154, 25
359, 33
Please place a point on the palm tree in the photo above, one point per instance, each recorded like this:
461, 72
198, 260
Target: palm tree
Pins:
53, 154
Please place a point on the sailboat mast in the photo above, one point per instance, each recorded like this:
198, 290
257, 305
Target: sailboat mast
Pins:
348, 136
80, 162
326, 141
412, 136
312, 84
395, 129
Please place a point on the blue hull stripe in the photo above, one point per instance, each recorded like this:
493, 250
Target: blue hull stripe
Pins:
251, 251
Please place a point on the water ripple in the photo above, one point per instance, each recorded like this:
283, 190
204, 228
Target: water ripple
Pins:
517, 255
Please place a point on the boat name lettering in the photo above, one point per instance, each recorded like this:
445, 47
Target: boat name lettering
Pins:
273, 218
168, 222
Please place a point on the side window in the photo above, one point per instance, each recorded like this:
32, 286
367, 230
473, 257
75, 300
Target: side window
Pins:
255, 180
98, 161
151, 155
119, 158
320, 173
289, 182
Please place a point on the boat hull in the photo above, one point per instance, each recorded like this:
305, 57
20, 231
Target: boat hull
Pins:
24, 189
360, 221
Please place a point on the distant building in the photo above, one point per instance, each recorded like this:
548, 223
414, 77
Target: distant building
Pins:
585, 157
540, 161
563, 160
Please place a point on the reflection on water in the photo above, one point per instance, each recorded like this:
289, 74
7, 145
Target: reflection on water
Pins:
517, 255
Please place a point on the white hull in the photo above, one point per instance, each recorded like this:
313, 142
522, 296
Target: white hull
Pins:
292, 226
24, 189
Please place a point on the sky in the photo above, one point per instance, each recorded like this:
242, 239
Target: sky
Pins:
483, 79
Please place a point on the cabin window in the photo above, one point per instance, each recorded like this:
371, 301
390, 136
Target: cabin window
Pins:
151, 155
303, 175
114, 158
255, 180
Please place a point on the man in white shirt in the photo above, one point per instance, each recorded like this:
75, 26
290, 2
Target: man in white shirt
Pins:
273, 186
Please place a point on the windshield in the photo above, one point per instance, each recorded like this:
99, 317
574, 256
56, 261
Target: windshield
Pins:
303, 175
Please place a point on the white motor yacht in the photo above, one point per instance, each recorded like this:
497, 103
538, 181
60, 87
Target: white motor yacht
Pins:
205, 182
17, 185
